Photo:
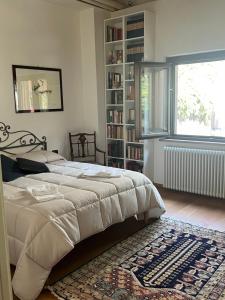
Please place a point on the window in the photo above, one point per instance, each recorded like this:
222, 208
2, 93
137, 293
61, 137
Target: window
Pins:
152, 88
183, 98
200, 99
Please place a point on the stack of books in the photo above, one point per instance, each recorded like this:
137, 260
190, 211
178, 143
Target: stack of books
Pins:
116, 97
135, 152
134, 166
113, 34
114, 80
131, 134
115, 149
114, 132
135, 28
116, 163
135, 52
114, 116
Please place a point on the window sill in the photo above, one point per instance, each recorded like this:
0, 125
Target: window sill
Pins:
193, 140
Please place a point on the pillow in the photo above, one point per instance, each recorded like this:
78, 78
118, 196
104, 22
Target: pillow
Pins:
41, 156
52, 156
31, 167
10, 169
35, 156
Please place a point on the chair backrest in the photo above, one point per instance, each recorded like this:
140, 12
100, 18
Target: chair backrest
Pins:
83, 146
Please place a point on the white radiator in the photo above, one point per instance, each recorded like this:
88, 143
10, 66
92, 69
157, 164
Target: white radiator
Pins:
197, 171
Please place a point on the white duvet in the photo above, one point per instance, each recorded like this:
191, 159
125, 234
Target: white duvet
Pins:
42, 233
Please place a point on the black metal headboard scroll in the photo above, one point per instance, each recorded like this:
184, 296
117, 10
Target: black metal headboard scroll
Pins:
10, 140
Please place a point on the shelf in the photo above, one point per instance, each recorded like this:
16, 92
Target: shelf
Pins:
135, 38
114, 157
135, 143
129, 63
114, 19
114, 105
130, 159
130, 124
129, 80
115, 89
113, 139
119, 124
113, 65
113, 42
129, 100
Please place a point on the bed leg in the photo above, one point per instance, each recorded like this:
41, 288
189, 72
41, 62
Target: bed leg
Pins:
151, 220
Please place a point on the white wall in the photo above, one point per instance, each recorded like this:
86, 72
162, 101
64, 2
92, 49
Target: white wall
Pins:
100, 16
37, 33
184, 27
92, 53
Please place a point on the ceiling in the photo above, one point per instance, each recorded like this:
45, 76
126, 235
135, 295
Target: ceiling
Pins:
110, 5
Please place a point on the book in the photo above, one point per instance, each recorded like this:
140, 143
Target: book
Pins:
116, 163
131, 116
114, 116
115, 149
116, 97
130, 92
115, 131
113, 34
135, 52
135, 28
114, 80
135, 152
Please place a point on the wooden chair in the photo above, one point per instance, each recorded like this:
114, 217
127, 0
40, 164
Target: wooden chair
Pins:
83, 147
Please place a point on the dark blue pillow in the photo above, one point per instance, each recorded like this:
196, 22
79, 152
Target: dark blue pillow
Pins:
10, 169
31, 167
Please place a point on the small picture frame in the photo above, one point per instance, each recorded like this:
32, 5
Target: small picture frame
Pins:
37, 89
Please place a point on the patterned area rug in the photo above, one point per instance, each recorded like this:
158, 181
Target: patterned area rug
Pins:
167, 260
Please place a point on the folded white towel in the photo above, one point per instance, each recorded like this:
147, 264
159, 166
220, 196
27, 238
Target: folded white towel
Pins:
16, 195
45, 192
101, 174
26, 196
48, 197
41, 190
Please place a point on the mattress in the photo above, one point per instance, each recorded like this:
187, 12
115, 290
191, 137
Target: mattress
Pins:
42, 233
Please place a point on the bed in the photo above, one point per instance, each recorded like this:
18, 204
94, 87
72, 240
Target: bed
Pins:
42, 233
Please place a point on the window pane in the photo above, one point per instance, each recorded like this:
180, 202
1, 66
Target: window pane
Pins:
153, 100
200, 105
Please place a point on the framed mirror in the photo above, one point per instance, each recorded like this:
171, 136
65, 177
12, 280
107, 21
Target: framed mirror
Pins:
37, 89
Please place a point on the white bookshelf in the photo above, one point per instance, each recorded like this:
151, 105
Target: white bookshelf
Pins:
125, 44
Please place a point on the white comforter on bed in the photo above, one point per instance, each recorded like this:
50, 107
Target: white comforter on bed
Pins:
41, 233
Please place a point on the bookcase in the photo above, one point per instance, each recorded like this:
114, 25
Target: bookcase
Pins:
128, 39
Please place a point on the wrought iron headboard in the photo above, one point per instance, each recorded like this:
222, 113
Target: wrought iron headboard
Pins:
10, 140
